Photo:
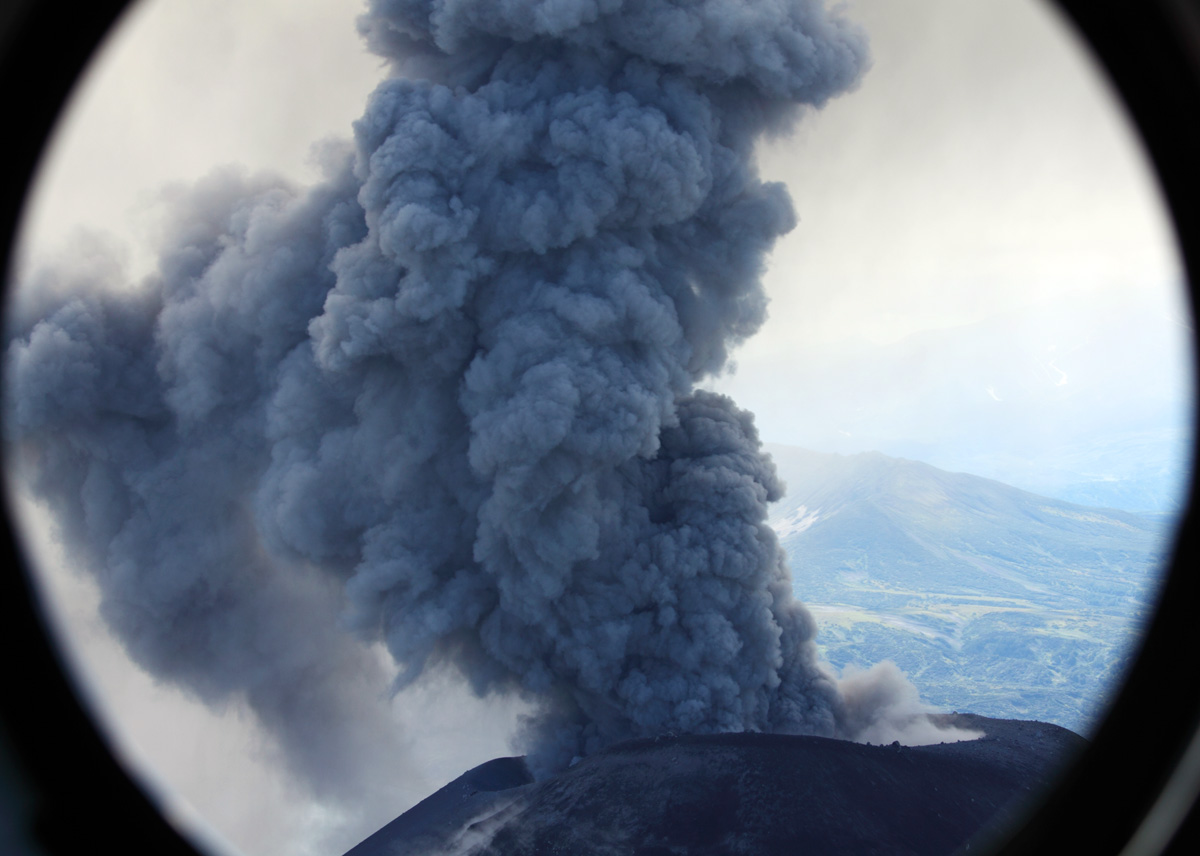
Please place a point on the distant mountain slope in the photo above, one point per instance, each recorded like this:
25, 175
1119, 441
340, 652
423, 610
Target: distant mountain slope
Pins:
990, 597
765, 794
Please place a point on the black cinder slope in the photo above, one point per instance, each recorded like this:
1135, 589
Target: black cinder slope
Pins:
764, 794
440, 817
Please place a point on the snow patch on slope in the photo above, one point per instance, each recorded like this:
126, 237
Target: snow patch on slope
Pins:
795, 521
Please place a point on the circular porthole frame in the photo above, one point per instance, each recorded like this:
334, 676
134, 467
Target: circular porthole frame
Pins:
1133, 792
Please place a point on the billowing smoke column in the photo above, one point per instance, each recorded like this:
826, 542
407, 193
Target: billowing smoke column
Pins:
450, 391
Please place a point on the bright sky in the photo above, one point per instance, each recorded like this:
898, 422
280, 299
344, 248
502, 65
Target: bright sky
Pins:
980, 167
980, 170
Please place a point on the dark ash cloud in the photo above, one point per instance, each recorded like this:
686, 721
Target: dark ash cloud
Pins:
449, 393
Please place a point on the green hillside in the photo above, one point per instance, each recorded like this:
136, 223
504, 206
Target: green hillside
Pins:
990, 598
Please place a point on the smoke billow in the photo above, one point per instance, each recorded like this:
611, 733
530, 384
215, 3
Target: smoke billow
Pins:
450, 392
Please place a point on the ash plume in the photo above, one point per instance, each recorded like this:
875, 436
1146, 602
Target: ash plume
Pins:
450, 391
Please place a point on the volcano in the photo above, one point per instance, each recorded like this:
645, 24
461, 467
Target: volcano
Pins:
764, 794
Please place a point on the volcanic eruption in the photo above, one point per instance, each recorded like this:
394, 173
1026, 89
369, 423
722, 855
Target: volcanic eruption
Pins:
450, 393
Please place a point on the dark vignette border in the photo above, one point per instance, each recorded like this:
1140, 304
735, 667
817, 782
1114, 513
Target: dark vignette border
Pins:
62, 792
1151, 51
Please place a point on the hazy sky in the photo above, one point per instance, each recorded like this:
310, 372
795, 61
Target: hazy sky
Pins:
979, 171
981, 167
